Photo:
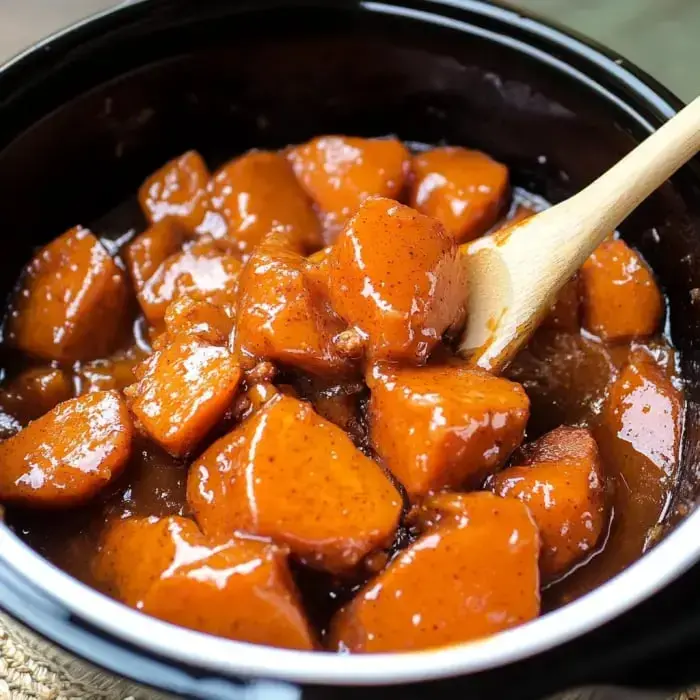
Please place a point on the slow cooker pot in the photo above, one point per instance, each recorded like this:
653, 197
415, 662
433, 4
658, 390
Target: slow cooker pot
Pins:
85, 115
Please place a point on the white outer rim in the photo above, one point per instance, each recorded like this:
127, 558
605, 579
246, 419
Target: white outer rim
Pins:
668, 560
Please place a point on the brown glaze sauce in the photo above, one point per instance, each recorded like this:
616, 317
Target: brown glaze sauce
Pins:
570, 376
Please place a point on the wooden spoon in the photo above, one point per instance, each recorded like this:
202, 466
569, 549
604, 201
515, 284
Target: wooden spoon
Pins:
515, 274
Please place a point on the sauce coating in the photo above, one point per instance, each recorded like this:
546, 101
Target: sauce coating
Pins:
253, 419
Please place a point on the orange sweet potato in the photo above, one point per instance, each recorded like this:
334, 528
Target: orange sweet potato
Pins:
467, 578
72, 301
257, 193
438, 427
201, 269
182, 390
396, 276
67, 456
340, 172
240, 589
35, 392
179, 190
620, 299
287, 474
465, 190
147, 252
282, 317
560, 479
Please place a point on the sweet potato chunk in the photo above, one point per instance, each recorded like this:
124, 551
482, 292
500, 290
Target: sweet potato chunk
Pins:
438, 427
640, 437
194, 316
148, 251
340, 172
620, 298
200, 270
282, 317
183, 390
259, 192
396, 276
240, 589
287, 474
72, 301
179, 190
65, 457
113, 372
467, 578
35, 392
465, 190
560, 480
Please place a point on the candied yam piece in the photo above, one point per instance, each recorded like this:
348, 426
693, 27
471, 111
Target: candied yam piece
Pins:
287, 474
444, 427
147, 252
72, 301
182, 391
201, 269
113, 372
639, 436
397, 277
35, 392
257, 193
68, 455
468, 578
564, 315
190, 314
179, 190
561, 482
620, 299
340, 172
239, 589
283, 318
465, 190
643, 417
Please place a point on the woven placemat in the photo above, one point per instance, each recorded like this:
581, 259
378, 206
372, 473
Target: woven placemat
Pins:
32, 669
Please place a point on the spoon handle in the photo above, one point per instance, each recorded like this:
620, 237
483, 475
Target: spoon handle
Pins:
514, 278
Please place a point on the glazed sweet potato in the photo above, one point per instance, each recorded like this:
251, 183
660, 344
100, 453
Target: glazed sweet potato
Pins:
257, 193
620, 299
72, 301
182, 391
199, 317
67, 456
201, 269
179, 190
640, 435
340, 172
283, 318
239, 589
444, 427
396, 276
287, 474
559, 477
35, 392
465, 579
465, 190
113, 372
149, 250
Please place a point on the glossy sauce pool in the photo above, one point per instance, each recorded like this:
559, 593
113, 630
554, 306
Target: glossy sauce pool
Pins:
566, 376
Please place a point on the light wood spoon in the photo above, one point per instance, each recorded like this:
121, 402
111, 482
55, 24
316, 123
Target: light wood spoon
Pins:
515, 274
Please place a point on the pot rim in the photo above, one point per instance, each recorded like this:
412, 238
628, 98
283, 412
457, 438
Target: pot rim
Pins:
668, 560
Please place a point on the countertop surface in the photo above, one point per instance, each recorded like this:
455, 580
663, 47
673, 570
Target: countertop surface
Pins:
660, 36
